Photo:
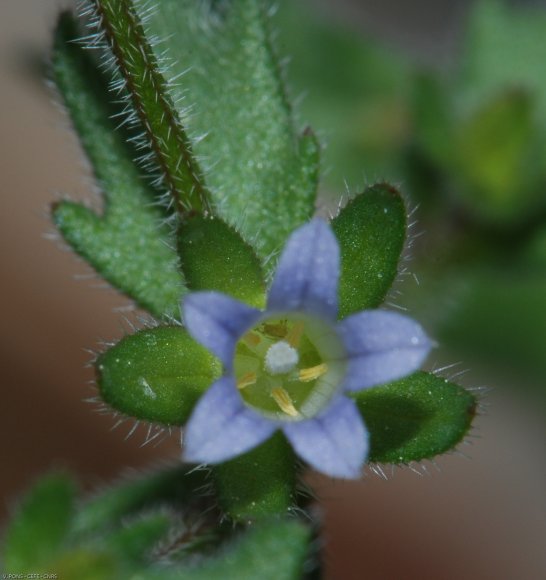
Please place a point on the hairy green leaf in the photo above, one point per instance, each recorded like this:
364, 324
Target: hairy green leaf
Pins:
129, 245
134, 541
40, 525
156, 374
415, 418
173, 486
261, 173
371, 231
273, 550
213, 256
259, 483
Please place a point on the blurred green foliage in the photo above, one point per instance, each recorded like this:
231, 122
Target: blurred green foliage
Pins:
468, 143
154, 526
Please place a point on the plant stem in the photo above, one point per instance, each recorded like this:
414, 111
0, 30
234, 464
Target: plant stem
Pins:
152, 104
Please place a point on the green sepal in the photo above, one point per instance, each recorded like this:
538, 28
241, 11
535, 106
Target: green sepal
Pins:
156, 375
271, 550
371, 230
259, 483
213, 256
262, 171
129, 245
40, 525
415, 418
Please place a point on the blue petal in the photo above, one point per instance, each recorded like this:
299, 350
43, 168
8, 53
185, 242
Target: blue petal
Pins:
217, 322
222, 427
334, 443
382, 346
308, 272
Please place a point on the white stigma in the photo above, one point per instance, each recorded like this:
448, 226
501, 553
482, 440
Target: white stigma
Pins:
281, 358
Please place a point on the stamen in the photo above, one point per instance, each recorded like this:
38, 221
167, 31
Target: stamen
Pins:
246, 380
252, 339
276, 330
312, 373
294, 336
282, 398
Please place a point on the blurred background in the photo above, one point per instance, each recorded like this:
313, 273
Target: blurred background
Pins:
446, 100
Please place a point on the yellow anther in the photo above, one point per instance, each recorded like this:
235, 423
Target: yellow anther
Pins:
276, 330
282, 398
294, 336
246, 380
252, 339
312, 373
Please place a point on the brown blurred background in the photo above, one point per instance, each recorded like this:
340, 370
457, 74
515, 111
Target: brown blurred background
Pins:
474, 519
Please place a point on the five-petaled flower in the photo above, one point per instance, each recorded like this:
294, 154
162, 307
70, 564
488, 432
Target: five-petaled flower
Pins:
291, 366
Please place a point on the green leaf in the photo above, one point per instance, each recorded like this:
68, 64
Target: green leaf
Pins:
40, 525
499, 317
273, 550
371, 231
86, 564
156, 374
174, 486
432, 110
130, 246
134, 541
504, 49
496, 159
261, 173
415, 418
213, 256
356, 91
259, 483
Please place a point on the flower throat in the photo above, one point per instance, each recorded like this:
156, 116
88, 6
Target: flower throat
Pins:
285, 367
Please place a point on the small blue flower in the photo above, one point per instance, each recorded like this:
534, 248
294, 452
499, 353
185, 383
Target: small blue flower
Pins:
290, 366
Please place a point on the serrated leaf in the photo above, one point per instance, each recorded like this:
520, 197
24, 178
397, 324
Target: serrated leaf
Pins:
274, 550
40, 525
213, 256
156, 374
259, 483
261, 173
130, 245
415, 418
371, 230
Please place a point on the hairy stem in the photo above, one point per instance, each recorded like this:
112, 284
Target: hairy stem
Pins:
149, 94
